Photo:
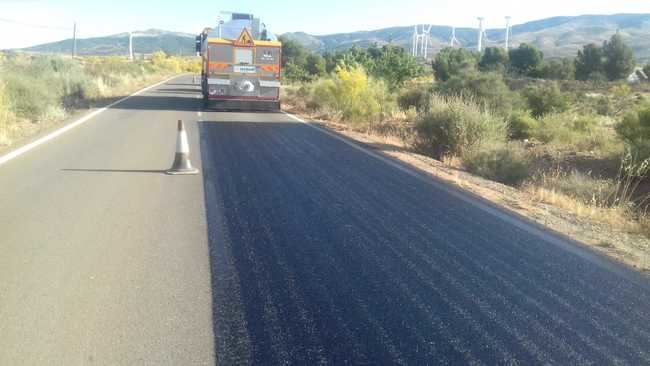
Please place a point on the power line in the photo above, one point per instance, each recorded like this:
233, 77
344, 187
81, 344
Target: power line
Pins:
32, 25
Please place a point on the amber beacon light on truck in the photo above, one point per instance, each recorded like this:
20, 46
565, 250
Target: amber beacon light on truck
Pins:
242, 65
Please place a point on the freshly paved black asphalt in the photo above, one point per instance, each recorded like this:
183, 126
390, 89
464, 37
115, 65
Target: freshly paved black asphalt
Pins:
321, 254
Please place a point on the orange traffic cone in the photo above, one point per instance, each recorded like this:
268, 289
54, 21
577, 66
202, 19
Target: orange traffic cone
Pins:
182, 164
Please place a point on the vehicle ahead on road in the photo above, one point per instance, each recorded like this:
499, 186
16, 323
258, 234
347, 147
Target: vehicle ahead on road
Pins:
241, 65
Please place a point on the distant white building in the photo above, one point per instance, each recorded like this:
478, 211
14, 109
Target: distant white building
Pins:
637, 76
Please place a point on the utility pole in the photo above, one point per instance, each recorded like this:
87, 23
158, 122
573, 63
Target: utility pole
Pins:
74, 40
508, 30
131, 46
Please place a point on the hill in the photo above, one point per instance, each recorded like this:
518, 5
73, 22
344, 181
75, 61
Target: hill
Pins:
556, 37
147, 42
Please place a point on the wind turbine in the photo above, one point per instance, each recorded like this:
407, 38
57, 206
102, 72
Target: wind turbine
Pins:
481, 33
426, 37
508, 31
453, 41
421, 41
414, 48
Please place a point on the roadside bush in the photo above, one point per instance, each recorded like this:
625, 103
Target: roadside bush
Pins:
504, 163
161, 61
44, 88
546, 98
454, 125
580, 186
454, 61
558, 69
521, 125
41, 88
487, 88
5, 114
352, 94
415, 96
572, 132
31, 94
634, 129
295, 73
525, 59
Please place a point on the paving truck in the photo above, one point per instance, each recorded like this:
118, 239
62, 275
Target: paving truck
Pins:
242, 65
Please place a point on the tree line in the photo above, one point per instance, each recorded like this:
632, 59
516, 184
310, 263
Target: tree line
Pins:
390, 63
613, 60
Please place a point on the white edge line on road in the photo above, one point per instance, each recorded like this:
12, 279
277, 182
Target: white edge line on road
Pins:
54, 134
522, 223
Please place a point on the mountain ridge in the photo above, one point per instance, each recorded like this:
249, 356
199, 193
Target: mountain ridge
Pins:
144, 42
559, 36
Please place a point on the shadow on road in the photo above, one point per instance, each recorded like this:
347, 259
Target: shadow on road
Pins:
183, 84
160, 103
115, 171
178, 90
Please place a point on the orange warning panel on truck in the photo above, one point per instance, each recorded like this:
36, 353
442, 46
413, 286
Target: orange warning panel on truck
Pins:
270, 68
218, 65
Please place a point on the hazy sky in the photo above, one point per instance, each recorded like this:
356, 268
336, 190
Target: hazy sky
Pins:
19, 18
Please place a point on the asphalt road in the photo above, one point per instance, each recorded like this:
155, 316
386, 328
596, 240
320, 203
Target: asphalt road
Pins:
291, 247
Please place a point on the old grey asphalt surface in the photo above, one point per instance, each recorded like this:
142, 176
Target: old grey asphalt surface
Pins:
292, 247
103, 258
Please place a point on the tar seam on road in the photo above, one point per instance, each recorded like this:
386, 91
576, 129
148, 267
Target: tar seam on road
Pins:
54, 134
521, 222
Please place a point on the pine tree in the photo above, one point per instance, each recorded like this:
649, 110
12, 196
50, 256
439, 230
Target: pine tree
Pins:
619, 58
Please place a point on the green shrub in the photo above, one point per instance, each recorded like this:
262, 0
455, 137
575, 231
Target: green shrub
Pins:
546, 98
558, 69
487, 88
525, 59
295, 73
521, 125
504, 163
47, 84
570, 131
5, 114
31, 94
45, 87
601, 105
634, 129
454, 61
416, 96
580, 186
454, 125
352, 94
583, 123
494, 59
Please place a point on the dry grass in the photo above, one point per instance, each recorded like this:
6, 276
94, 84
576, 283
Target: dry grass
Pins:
617, 217
37, 92
614, 202
5, 115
